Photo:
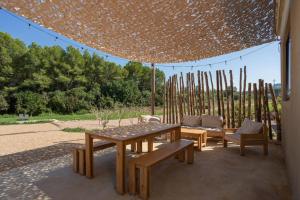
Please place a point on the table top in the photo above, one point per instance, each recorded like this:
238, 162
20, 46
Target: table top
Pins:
192, 131
135, 131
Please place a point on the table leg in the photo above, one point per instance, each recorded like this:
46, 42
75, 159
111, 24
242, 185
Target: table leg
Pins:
177, 134
89, 157
150, 144
120, 168
139, 148
133, 147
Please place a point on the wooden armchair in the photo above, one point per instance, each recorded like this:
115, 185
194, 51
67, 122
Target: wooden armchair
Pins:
247, 139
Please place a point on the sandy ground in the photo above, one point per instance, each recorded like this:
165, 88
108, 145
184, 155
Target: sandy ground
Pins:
35, 163
25, 137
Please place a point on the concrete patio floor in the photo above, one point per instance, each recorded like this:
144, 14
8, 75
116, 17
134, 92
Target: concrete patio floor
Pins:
217, 173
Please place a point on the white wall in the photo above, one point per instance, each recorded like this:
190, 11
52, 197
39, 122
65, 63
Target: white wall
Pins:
291, 108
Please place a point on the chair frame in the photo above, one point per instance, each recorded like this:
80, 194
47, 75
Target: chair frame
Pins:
247, 139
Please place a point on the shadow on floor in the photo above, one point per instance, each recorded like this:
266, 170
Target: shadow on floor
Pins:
217, 173
19, 159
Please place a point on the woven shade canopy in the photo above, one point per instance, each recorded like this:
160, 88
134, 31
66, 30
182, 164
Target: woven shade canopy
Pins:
156, 31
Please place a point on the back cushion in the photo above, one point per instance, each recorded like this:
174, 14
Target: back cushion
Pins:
210, 121
250, 127
188, 120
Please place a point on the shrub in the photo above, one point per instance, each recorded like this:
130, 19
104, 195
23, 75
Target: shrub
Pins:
31, 103
3, 103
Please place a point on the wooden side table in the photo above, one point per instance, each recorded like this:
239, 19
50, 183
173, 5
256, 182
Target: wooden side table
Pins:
198, 134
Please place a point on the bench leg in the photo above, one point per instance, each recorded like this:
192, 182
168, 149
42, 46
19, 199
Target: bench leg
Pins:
181, 156
81, 156
190, 154
132, 178
139, 148
266, 149
75, 161
144, 183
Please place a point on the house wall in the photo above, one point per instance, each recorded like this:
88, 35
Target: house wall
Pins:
291, 106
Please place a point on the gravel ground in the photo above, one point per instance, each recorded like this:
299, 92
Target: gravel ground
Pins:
30, 143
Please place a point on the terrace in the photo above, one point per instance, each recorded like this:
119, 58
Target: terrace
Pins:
36, 160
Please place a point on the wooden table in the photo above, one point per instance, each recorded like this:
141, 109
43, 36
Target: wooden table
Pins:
123, 136
198, 134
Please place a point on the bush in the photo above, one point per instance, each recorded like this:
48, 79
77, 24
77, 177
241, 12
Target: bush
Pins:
31, 103
3, 104
58, 102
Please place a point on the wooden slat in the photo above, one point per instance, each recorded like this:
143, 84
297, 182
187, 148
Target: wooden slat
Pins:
227, 99
249, 101
255, 101
164, 102
199, 93
212, 93
268, 112
244, 93
240, 98
202, 87
207, 93
218, 93
232, 100
277, 118
222, 95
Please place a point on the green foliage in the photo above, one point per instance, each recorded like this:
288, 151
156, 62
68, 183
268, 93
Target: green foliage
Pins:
74, 130
39, 79
31, 103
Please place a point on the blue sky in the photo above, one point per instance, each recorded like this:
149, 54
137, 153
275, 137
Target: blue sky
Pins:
262, 63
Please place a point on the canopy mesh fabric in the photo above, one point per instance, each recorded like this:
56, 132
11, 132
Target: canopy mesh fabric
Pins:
156, 31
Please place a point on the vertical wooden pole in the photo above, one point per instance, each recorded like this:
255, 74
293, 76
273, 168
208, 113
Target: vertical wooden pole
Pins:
175, 99
232, 100
244, 92
199, 93
212, 93
259, 101
188, 93
203, 99
183, 94
268, 112
218, 93
173, 102
192, 94
222, 95
227, 100
249, 101
263, 102
255, 101
240, 99
274, 102
153, 90
207, 93
164, 102
167, 102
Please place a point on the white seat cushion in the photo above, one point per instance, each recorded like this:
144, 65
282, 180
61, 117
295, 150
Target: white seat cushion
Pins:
250, 127
210, 121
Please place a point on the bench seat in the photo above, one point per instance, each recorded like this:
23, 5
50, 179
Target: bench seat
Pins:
145, 162
79, 155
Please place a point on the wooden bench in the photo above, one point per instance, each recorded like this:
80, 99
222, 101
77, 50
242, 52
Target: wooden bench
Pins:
79, 155
145, 162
